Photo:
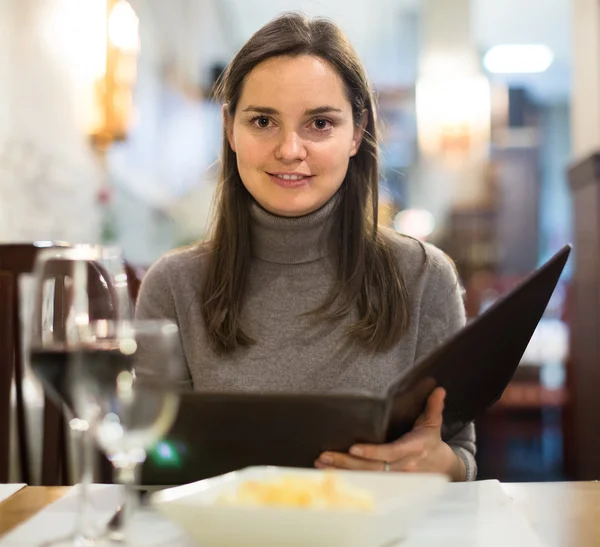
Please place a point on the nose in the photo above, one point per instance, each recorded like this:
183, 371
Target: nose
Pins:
290, 148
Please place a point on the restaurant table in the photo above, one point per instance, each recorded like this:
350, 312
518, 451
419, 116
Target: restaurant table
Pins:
563, 514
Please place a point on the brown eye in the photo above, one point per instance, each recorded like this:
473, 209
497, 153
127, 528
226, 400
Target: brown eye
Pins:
321, 124
262, 122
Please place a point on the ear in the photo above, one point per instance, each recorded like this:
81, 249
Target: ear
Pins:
228, 125
359, 132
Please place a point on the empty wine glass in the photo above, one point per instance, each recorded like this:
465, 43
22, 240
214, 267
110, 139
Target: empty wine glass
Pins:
74, 287
127, 383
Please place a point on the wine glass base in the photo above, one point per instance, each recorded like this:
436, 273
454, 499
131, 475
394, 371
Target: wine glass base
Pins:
71, 541
111, 538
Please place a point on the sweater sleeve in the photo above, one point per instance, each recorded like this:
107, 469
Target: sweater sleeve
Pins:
156, 301
442, 314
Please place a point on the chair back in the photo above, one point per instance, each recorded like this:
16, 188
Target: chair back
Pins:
16, 260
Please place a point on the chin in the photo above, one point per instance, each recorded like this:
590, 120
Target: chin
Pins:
293, 209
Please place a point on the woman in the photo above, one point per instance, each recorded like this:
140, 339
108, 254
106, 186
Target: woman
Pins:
297, 288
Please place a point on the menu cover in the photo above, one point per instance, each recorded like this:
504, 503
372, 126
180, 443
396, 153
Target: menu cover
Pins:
215, 433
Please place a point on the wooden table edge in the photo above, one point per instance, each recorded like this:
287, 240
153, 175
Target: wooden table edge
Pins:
25, 503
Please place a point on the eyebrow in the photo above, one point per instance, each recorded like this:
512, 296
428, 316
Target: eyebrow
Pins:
309, 112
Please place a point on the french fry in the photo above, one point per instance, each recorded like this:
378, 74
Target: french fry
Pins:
295, 491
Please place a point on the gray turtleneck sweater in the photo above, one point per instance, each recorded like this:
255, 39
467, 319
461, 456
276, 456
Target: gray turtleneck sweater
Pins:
291, 273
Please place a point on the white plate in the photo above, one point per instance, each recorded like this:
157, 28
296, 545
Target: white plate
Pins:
400, 501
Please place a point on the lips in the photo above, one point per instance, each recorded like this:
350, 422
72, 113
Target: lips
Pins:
290, 180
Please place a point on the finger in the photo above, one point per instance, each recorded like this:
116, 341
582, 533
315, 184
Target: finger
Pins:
432, 416
402, 448
409, 464
338, 460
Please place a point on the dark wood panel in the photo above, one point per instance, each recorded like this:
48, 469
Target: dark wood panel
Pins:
6, 372
584, 369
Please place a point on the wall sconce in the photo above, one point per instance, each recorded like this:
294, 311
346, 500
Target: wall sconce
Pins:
114, 90
96, 43
453, 115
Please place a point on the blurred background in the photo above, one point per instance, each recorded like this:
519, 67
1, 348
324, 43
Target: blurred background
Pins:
490, 114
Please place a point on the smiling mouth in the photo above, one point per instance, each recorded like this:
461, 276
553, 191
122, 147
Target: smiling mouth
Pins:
289, 180
292, 178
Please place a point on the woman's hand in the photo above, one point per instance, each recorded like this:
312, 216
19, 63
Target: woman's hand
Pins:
421, 450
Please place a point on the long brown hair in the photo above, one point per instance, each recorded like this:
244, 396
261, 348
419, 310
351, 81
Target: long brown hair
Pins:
369, 278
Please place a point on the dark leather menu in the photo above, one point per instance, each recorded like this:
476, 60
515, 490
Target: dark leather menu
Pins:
215, 433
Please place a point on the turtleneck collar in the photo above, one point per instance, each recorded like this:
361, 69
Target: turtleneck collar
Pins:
291, 240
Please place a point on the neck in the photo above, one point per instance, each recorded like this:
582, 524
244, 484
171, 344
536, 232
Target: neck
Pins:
292, 240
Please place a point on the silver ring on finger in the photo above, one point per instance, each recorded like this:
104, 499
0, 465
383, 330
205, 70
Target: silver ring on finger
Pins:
386, 465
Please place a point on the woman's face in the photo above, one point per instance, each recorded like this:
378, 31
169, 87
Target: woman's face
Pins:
293, 134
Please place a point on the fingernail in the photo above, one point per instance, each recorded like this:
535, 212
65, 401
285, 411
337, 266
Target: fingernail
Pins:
356, 451
325, 458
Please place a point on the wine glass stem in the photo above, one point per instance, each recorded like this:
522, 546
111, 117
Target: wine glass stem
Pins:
126, 475
85, 444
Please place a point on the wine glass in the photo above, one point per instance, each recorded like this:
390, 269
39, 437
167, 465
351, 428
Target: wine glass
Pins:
74, 287
127, 384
